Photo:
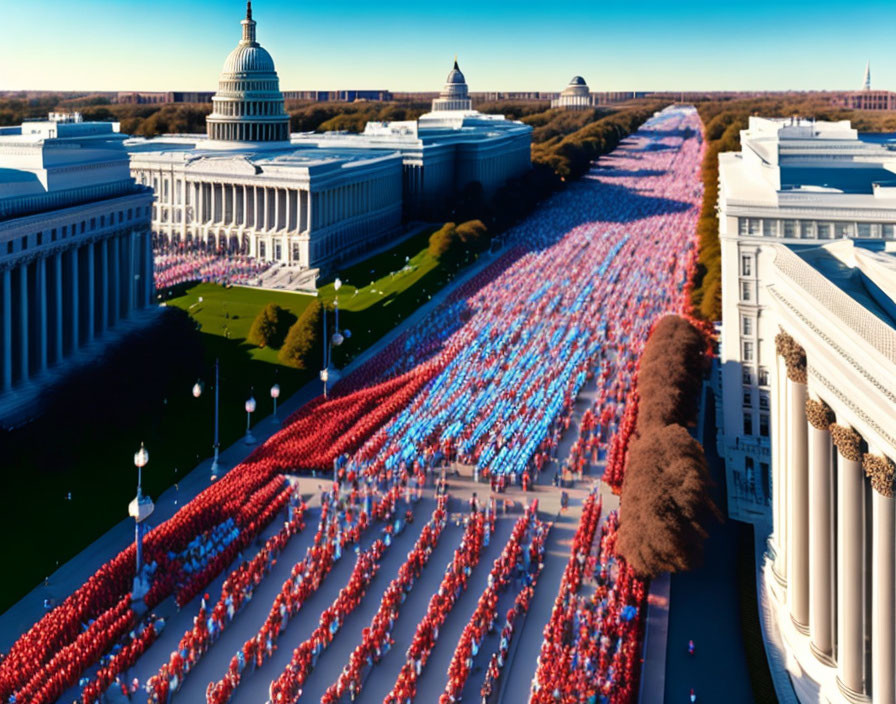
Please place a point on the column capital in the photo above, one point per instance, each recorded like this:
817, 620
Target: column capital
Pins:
819, 414
794, 357
881, 470
847, 441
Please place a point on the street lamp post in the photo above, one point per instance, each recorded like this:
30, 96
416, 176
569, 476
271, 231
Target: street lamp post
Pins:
275, 394
197, 392
250, 409
140, 508
333, 341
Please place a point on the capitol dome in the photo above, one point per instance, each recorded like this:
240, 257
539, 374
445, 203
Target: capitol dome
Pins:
454, 95
576, 96
577, 86
248, 106
249, 58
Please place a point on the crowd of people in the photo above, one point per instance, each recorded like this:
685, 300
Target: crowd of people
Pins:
488, 379
376, 639
237, 590
454, 582
177, 266
521, 558
344, 518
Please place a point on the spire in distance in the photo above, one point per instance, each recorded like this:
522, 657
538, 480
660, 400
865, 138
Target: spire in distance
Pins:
248, 26
249, 9
866, 84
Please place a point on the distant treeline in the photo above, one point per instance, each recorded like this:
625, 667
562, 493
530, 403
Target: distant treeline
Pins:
723, 120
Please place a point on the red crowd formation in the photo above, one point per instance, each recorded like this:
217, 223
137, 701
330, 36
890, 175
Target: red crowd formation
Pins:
457, 574
376, 639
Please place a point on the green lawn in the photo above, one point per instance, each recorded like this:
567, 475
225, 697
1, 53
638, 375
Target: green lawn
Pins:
376, 295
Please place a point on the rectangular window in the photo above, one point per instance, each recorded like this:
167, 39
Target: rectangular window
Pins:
83, 225
745, 291
748, 351
748, 423
741, 226
25, 242
843, 229
790, 228
763, 402
9, 247
92, 223
755, 226
763, 376
807, 229
40, 238
746, 377
747, 325
770, 228
824, 230
65, 231
887, 231
746, 265
748, 399
130, 213
865, 229
763, 424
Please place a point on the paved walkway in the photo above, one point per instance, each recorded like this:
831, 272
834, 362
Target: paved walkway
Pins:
705, 608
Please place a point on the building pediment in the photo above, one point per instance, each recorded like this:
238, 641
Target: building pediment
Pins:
232, 165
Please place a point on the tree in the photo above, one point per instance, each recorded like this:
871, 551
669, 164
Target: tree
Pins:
665, 504
269, 327
473, 234
442, 241
302, 346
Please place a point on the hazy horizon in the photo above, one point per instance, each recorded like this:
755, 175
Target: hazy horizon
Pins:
406, 47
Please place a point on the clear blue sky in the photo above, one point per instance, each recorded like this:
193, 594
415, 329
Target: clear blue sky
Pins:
410, 44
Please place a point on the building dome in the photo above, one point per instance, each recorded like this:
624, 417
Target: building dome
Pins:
455, 76
577, 86
576, 96
248, 106
250, 58
454, 95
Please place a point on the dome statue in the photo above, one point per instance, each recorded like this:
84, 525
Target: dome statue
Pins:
248, 106
454, 95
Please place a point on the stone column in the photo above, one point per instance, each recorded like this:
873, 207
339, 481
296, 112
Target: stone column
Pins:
104, 293
7, 329
267, 214
149, 283
116, 281
213, 214
129, 267
23, 321
60, 310
821, 531
75, 303
850, 563
276, 208
798, 489
779, 470
42, 332
883, 586
91, 292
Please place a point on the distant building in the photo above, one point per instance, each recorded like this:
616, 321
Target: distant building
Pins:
160, 98
444, 150
75, 255
576, 96
867, 99
338, 96
313, 200
796, 182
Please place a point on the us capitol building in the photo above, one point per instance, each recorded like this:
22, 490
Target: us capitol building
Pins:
312, 200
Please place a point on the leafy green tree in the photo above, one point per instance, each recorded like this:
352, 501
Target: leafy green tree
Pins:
269, 327
301, 348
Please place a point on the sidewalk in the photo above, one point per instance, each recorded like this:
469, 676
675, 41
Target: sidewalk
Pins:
69, 576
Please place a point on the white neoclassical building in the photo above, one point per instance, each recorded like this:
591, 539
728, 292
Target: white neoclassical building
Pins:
245, 187
76, 262
444, 150
827, 588
799, 183
314, 200
576, 96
